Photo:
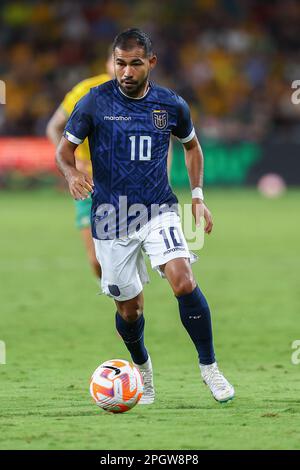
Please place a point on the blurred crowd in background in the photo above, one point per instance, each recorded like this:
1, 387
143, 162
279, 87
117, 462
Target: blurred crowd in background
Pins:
232, 60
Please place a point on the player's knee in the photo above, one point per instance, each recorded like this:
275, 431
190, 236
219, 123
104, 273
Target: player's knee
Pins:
131, 315
184, 285
130, 310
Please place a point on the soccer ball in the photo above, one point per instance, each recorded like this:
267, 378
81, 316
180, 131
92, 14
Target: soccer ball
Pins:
116, 386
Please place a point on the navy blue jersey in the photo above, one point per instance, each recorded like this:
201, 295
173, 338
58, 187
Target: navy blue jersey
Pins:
129, 141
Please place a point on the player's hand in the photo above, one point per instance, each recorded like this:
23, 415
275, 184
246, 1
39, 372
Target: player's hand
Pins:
80, 184
199, 210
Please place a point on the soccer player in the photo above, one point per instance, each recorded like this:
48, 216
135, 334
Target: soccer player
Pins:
54, 132
129, 121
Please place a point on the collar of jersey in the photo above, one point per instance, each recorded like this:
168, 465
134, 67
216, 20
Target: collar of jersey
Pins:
137, 99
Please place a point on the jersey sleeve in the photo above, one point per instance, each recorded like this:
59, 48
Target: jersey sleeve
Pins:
80, 123
184, 129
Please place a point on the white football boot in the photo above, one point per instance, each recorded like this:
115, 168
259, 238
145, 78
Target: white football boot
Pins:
146, 371
220, 388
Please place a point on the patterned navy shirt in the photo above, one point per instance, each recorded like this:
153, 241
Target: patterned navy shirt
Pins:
129, 141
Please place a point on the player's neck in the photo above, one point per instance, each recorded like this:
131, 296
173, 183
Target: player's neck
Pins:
140, 94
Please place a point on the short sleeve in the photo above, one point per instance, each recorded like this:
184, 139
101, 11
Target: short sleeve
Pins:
80, 123
184, 129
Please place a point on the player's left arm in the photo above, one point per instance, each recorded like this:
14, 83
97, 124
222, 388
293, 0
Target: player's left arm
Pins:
194, 164
185, 132
170, 158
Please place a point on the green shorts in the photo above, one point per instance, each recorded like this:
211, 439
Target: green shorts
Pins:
83, 213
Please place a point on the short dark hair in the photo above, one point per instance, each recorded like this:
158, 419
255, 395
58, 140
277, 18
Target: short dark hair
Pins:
131, 38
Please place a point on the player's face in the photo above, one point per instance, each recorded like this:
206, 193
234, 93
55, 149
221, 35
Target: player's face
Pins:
132, 70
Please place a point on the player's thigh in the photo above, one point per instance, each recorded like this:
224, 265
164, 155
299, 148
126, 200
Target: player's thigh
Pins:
123, 267
165, 240
179, 273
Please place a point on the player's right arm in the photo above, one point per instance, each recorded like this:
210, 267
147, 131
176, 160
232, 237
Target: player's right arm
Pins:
79, 126
80, 184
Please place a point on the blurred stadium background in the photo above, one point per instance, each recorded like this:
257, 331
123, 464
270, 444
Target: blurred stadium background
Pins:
234, 62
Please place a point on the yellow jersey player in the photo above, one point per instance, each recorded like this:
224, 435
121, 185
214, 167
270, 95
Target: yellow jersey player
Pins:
54, 132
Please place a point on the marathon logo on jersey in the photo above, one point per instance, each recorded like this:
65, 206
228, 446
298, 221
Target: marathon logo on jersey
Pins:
117, 118
160, 119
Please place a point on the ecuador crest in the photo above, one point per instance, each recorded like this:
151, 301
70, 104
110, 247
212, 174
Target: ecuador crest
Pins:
160, 118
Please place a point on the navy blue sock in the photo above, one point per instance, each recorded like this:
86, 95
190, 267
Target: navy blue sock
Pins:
195, 316
133, 337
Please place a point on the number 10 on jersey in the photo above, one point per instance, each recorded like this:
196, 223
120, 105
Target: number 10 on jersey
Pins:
142, 145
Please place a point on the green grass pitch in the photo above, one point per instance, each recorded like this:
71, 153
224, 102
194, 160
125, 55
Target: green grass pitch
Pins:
57, 331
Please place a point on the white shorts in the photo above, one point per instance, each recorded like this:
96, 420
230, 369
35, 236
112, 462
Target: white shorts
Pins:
123, 266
